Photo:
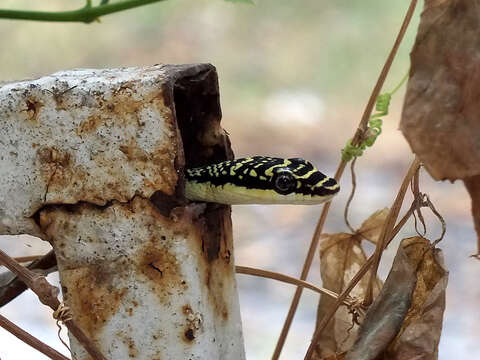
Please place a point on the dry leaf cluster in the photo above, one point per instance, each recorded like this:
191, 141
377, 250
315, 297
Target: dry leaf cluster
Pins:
405, 319
341, 256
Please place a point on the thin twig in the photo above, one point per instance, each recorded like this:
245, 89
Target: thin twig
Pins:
86, 14
31, 340
48, 295
341, 167
286, 279
388, 227
24, 259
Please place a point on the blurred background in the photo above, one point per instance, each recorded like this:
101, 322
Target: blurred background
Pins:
294, 79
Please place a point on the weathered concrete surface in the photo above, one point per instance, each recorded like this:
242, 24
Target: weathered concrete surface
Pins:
92, 161
83, 135
138, 279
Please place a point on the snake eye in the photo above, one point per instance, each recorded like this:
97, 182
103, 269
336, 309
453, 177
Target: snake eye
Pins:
284, 183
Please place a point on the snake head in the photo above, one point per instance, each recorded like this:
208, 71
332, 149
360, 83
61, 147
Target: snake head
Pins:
260, 180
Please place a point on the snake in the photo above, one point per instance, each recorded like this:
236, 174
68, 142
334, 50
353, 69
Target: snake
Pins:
260, 180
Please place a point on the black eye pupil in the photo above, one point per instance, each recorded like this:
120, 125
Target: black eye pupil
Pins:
283, 183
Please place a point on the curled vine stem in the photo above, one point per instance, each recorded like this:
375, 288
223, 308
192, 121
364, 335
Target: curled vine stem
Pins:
350, 197
419, 203
357, 311
440, 218
422, 200
62, 315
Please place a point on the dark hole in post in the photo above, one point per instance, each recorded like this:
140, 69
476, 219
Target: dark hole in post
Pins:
197, 106
196, 101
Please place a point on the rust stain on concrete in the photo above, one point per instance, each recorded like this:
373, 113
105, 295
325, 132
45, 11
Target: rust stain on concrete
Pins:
133, 152
48, 155
91, 293
129, 342
162, 268
193, 323
90, 124
32, 108
214, 246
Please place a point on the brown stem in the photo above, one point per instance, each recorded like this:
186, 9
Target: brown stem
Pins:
384, 73
23, 259
30, 339
341, 167
48, 295
388, 227
286, 279
14, 287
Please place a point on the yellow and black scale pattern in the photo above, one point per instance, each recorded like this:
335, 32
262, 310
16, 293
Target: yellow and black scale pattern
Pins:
260, 180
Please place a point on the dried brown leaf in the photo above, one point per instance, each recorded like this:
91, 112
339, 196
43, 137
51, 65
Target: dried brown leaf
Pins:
372, 227
386, 314
405, 320
441, 109
421, 329
341, 256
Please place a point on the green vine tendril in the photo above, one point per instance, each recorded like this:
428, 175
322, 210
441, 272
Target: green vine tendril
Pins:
374, 125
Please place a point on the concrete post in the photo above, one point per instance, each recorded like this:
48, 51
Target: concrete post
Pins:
92, 161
